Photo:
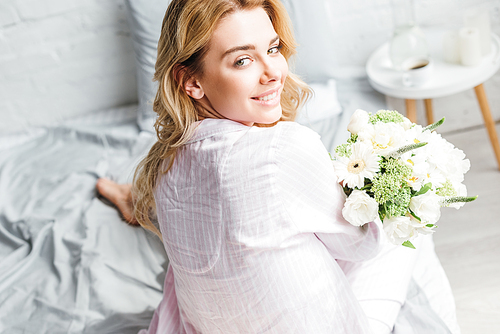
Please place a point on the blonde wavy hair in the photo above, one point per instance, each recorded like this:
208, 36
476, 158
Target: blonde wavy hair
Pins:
186, 31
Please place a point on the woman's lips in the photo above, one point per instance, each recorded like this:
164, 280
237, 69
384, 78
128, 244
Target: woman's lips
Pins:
270, 97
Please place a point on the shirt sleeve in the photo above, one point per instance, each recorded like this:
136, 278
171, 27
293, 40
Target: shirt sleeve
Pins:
381, 283
314, 199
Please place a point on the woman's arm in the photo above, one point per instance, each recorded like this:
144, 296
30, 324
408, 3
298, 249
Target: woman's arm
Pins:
314, 199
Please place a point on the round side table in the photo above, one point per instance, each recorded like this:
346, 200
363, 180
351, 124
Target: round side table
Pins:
447, 79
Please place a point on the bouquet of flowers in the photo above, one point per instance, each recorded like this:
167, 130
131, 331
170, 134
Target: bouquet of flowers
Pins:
399, 171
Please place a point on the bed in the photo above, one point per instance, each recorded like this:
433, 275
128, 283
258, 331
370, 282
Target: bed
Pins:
69, 264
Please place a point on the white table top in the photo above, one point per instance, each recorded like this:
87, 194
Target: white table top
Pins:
446, 78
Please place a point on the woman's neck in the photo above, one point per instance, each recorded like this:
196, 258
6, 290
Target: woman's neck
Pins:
205, 110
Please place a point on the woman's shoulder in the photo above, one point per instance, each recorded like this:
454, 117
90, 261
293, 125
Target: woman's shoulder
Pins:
223, 128
283, 135
225, 140
297, 135
273, 152
298, 142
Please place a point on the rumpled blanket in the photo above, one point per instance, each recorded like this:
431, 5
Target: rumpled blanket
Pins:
68, 264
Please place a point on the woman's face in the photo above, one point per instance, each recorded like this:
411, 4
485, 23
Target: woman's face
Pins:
244, 71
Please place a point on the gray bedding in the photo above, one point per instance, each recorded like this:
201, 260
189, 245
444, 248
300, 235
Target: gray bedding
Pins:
68, 264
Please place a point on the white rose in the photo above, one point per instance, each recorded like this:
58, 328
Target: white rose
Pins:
358, 121
359, 208
427, 207
399, 229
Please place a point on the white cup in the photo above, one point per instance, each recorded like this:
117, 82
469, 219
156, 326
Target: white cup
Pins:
416, 71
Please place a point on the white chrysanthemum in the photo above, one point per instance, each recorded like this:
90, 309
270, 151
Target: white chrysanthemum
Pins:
442, 160
414, 134
407, 124
453, 164
419, 166
384, 137
435, 177
363, 163
445, 161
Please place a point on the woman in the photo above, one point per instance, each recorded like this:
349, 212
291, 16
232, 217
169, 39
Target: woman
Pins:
248, 204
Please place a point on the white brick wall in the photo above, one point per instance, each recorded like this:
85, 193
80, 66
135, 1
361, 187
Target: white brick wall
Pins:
63, 58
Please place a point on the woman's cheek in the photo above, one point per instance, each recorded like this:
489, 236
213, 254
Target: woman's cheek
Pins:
285, 67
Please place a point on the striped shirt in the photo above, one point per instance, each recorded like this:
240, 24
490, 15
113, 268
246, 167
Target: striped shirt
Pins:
252, 225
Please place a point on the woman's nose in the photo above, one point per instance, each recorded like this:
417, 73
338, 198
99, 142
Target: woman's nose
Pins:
270, 72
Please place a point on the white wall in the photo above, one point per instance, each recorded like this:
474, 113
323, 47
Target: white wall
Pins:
63, 58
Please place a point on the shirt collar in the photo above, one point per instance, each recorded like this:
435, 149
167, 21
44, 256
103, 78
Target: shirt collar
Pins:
210, 127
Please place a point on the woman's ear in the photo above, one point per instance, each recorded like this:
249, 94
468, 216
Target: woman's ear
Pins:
193, 88
189, 84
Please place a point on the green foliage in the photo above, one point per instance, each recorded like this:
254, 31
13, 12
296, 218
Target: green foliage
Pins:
415, 216
447, 190
396, 167
387, 116
434, 126
390, 189
398, 205
403, 149
352, 139
424, 189
457, 199
343, 150
408, 244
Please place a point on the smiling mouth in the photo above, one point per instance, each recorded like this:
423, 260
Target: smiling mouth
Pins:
267, 97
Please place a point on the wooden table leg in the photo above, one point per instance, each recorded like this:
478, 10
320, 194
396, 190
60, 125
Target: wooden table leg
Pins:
411, 110
428, 111
488, 120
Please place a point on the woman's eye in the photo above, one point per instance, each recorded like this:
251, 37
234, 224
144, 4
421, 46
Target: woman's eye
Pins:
275, 49
242, 62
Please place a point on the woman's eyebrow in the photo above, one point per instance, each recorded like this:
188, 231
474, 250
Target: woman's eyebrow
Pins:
246, 47
238, 48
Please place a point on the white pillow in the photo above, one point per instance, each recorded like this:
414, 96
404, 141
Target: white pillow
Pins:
145, 19
323, 104
312, 25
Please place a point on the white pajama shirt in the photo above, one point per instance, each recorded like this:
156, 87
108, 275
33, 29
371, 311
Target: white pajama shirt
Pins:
251, 221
